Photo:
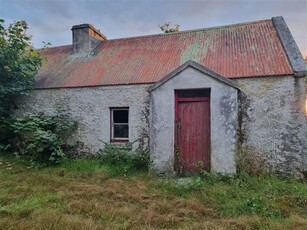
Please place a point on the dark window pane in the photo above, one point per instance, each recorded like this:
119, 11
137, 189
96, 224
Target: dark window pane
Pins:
120, 116
194, 93
121, 131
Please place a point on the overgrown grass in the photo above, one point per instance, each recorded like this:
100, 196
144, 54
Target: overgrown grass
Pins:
85, 194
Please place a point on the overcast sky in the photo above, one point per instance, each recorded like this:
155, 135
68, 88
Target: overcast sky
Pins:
51, 20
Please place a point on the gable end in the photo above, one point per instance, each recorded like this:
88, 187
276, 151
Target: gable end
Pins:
198, 67
293, 53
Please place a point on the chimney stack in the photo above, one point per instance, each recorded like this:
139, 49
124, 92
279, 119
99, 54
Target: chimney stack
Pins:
85, 38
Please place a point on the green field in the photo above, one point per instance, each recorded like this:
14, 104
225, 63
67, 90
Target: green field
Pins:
85, 194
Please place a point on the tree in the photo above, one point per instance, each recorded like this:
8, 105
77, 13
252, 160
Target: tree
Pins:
167, 29
19, 64
36, 137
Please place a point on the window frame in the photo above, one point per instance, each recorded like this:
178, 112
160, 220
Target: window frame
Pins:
117, 139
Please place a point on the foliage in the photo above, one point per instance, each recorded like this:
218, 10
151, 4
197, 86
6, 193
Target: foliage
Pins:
38, 137
19, 64
167, 29
256, 205
124, 158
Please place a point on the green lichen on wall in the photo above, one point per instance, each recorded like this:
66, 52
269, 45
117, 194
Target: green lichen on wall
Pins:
264, 85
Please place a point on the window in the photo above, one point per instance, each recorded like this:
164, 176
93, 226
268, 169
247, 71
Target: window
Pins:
119, 124
193, 93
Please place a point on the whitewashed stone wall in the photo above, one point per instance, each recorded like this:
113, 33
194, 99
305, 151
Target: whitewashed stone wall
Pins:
90, 106
272, 118
274, 122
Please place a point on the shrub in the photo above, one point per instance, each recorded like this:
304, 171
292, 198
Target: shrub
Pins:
38, 137
130, 160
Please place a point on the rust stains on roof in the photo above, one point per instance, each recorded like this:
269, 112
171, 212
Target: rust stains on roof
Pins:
241, 50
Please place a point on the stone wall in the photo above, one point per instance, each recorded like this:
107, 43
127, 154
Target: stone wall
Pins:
223, 109
273, 120
90, 106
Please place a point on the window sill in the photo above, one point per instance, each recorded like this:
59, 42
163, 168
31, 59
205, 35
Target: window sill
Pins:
119, 140
122, 144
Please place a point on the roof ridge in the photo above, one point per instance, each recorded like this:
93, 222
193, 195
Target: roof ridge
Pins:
192, 30
61, 46
54, 47
176, 33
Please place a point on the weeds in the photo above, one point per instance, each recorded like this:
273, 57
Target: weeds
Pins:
37, 138
124, 161
87, 193
250, 161
256, 205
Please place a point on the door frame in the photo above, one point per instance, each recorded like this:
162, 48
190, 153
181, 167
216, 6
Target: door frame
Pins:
190, 99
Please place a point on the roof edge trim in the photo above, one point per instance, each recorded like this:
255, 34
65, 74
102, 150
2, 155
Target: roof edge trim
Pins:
196, 66
91, 86
292, 51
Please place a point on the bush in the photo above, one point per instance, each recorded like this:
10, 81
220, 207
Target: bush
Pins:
130, 160
38, 137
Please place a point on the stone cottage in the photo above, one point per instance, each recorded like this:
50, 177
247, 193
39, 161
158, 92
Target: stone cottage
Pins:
195, 98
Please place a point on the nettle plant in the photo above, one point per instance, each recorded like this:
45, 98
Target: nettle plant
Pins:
126, 158
38, 137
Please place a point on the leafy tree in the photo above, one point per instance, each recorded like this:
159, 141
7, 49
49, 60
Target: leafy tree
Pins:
19, 64
36, 137
167, 29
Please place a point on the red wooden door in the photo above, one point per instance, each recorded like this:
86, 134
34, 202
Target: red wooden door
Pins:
193, 134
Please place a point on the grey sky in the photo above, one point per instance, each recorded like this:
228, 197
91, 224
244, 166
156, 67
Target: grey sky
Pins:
51, 20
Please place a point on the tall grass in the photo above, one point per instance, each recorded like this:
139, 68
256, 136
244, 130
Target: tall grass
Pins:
87, 194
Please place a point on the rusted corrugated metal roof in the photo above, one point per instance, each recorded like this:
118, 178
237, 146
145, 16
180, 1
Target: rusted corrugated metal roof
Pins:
241, 50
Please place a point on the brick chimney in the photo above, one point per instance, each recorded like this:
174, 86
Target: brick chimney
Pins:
85, 38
